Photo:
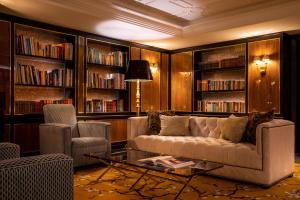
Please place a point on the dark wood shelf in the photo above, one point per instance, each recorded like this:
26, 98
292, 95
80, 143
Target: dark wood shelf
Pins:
107, 89
44, 86
107, 66
239, 68
220, 91
43, 57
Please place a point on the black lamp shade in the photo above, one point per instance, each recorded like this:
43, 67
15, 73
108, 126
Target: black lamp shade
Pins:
138, 70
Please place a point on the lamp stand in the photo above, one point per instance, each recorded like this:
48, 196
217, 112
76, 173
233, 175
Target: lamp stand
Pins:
138, 98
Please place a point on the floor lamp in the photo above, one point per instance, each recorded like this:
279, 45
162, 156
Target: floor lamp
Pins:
138, 71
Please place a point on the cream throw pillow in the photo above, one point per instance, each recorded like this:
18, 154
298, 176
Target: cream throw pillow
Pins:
174, 125
234, 128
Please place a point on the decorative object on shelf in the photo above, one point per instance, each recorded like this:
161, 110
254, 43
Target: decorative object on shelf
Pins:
262, 64
138, 71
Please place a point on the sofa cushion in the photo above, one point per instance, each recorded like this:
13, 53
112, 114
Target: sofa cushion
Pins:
86, 142
234, 128
217, 150
206, 126
174, 125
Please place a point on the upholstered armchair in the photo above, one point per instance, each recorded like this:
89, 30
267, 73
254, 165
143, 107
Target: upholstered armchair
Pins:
38, 177
61, 133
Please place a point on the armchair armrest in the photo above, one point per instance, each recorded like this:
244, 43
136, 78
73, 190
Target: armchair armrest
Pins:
55, 138
96, 129
136, 126
9, 151
39, 177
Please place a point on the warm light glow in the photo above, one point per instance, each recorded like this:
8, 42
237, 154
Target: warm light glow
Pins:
126, 31
262, 63
257, 33
153, 68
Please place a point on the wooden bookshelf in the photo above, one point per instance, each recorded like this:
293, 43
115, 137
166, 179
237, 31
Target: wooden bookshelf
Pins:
106, 90
44, 69
220, 80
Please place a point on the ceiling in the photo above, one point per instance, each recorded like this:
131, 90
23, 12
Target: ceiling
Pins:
168, 24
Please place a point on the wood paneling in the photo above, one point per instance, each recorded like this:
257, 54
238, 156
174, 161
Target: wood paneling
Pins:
80, 74
164, 81
264, 91
27, 136
119, 129
150, 91
135, 54
181, 81
5, 64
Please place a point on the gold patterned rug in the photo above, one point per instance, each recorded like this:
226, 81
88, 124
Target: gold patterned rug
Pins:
115, 185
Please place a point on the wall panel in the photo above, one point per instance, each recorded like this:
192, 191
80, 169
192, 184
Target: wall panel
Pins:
181, 82
164, 81
264, 90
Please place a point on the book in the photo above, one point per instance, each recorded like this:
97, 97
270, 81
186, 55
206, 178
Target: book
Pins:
108, 81
220, 106
28, 45
215, 85
167, 161
98, 56
105, 105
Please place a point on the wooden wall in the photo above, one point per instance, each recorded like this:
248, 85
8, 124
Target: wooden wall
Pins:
80, 76
154, 94
181, 81
150, 91
119, 129
5, 65
264, 90
164, 81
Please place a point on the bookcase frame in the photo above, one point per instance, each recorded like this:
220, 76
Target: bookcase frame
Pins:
67, 64
198, 75
112, 68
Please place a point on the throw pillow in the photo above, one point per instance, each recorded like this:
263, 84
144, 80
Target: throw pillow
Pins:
154, 121
255, 119
174, 125
234, 128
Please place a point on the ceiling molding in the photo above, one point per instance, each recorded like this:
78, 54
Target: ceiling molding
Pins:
106, 8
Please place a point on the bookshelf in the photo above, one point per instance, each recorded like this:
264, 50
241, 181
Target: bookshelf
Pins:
220, 80
44, 69
106, 90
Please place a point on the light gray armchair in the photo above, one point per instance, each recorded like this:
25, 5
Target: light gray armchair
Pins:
44, 177
61, 133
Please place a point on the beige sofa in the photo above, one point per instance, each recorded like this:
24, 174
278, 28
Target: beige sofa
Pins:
267, 162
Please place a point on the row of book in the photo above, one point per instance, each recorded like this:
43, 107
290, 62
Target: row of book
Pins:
213, 85
37, 106
30, 75
220, 106
29, 45
116, 58
111, 81
103, 105
224, 63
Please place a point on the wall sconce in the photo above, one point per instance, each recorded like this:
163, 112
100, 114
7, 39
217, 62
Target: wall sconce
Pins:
262, 63
153, 67
186, 74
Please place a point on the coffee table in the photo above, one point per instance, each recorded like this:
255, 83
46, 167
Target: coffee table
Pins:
131, 157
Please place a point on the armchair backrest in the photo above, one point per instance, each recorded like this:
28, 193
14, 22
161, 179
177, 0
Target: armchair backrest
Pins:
60, 113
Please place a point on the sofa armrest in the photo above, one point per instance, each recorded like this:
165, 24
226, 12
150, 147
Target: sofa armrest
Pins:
9, 151
39, 177
136, 126
55, 138
96, 129
275, 141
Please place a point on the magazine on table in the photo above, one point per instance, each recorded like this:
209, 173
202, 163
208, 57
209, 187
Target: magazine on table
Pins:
167, 161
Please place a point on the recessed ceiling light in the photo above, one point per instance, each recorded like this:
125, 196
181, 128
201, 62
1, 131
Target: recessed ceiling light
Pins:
126, 31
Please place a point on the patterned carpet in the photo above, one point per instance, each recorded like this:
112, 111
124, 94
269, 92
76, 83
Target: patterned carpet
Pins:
115, 185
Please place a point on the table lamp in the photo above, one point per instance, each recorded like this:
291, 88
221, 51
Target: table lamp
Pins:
138, 71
